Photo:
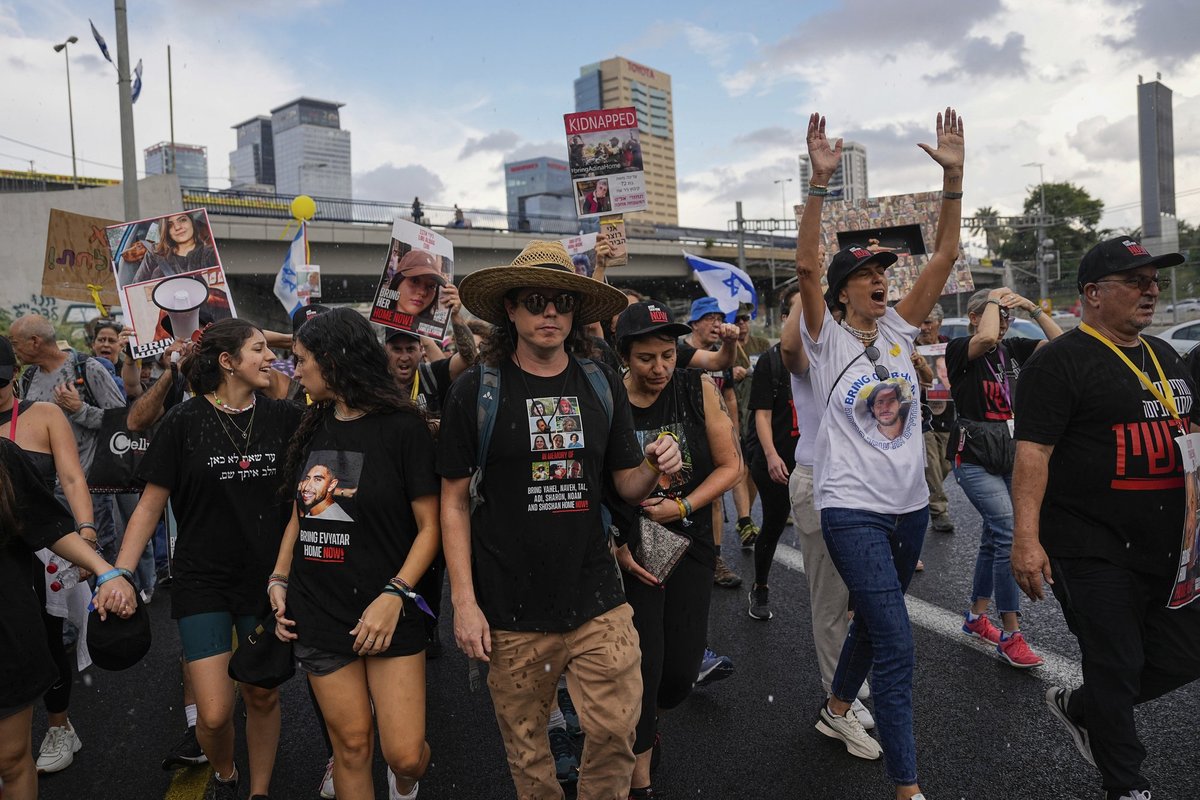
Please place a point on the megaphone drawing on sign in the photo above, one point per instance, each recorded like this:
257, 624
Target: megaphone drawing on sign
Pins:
181, 297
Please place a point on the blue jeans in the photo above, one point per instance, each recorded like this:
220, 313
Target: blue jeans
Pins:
876, 555
992, 497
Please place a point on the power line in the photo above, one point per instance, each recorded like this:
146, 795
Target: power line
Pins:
140, 172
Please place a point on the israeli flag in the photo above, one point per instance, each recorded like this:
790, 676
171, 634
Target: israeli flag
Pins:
728, 284
100, 41
137, 82
285, 281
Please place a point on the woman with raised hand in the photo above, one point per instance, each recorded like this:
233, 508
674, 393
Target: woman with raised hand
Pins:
217, 457
870, 459
364, 529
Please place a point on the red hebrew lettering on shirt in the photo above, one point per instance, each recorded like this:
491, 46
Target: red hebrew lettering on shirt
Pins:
995, 403
1146, 455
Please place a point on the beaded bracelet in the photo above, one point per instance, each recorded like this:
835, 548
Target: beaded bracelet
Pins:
687, 506
817, 191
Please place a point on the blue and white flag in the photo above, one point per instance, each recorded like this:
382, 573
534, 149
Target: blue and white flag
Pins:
100, 41
285, 281
728, 284
137, 82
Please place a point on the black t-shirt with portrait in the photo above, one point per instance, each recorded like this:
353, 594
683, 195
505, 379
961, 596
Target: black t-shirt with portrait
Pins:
540, 554
1115, 487
771, 390
26, 667
354, 495
984, 389
226, 499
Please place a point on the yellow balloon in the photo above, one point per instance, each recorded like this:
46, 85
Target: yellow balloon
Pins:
303, 208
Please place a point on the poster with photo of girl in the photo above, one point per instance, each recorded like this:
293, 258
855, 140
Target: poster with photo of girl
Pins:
418, 264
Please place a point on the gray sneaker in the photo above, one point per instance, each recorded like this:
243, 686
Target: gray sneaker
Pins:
850, 731
1057, 698
760, 604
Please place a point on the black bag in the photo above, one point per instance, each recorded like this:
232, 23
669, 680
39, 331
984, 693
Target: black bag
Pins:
262, 659
989, 444
119, 451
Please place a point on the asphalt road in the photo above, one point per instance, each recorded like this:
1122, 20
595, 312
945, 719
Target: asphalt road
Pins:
982, 727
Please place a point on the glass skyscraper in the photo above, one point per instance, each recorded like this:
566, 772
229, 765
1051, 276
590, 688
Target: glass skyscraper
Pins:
191, 163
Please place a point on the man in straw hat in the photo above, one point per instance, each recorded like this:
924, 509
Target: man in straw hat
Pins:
536, 590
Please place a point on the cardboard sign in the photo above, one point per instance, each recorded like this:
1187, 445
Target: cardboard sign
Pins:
582, 250
935, 357
605, 155
613, 229
77, 257
178, 248
418, 263
1186, 587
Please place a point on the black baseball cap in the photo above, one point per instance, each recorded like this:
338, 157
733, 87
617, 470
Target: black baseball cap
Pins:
397, 334
8, 360
118, 643
304, 313
1119, 255
849, 260
641, 319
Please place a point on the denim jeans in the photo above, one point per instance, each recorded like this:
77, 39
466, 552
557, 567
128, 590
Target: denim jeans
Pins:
876, 555
992, 497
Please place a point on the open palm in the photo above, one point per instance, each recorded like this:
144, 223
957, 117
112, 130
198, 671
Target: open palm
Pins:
823, 158
950, 149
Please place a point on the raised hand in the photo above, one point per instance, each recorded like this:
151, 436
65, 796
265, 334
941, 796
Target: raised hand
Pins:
950, 150
823, 158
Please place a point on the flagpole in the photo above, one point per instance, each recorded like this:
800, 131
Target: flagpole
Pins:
171, 108
128, 150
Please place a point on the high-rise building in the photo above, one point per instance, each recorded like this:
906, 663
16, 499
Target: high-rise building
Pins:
190, 163
538, 190
619, 83
312, 152
252, 165
849, 181
1156, 155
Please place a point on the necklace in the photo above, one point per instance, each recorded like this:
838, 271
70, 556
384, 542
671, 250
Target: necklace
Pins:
866, 337
349, 417
243, 449
230, 409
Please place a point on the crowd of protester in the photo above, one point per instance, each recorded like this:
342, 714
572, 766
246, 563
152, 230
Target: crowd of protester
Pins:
561, 469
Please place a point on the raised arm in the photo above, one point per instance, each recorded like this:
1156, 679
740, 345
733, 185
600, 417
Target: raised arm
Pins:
795, 360
718, 360
464, 341
824, 159
915, 305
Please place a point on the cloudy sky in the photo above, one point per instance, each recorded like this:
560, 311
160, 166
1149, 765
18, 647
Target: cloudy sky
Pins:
438, 96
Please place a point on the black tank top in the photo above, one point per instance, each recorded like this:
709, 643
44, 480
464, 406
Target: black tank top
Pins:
43, 463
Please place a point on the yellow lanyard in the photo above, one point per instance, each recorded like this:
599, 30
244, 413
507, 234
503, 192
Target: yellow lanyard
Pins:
1168, 402
416, 385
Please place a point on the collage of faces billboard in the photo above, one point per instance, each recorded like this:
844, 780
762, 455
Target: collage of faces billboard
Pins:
904, 224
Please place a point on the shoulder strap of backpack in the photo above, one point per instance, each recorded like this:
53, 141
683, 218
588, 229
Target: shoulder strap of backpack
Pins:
487, 406
27, 379
81, 380
600, 385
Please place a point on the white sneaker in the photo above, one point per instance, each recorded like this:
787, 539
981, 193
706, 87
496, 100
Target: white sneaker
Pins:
58, 749
864, 691
863, 715
394, 793
327, 791
850, 731
1136, 794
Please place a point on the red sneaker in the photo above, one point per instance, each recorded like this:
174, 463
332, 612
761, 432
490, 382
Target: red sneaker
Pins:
982, 628
1016, 652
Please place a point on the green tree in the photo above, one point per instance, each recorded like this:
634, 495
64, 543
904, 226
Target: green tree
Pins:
1076, 217
994, 236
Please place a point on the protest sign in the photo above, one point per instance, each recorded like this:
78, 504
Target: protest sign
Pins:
308, 282
613, 229
77, 259
1187, 577
178, 252
582, 250
419, 262
935, 357
605, 156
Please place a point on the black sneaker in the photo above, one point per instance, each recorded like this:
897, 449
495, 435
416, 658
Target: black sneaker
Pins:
567, 706
566, 763
760, 606
225, 790
1057, 699
185, 754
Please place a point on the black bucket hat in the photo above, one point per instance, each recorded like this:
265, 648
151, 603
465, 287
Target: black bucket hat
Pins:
118, 643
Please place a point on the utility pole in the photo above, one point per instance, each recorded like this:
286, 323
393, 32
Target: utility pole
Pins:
124, 87
741, 237
1043, 282
70, 107
171, 109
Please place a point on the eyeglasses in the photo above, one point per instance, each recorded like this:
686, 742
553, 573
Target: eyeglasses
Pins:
1142, 282
880, 371
564, 302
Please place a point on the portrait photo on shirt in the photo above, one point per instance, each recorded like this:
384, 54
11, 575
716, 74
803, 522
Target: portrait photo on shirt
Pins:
883, 412
541, 470
328, 485
554, 423
558, 470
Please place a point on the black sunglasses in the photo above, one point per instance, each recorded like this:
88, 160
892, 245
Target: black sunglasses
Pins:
880, 371
1142, 281
564, 302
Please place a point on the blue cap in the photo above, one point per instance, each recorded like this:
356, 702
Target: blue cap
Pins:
703, 306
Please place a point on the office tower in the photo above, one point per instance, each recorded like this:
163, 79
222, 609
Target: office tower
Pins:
849, 181
190, 163
1156, 155
312, 152
537, 189
252, 164
619, 83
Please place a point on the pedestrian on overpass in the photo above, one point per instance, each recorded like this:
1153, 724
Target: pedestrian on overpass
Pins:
1098, 491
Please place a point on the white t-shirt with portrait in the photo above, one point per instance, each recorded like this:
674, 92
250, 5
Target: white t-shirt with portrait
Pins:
869, 452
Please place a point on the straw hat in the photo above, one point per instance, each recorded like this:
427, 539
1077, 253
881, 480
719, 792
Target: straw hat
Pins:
541, 265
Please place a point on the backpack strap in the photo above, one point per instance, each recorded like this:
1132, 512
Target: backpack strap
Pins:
487, 407
79, 362
600, 385
27, 379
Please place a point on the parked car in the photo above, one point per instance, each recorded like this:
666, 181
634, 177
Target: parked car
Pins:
954, 327
1188, 306
1183, 337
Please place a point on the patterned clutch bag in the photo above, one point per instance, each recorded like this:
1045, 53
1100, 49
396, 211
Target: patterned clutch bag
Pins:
659, 549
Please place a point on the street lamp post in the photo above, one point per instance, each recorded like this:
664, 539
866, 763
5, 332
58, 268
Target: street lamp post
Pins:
62, 48
1043, 282
782, 184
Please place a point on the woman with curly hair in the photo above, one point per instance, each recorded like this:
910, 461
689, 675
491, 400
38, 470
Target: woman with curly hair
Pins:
183, 246
364, 530
217, 458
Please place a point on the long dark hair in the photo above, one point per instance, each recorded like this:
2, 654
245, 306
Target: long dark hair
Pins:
200, 234
202, 368
355, 368
10, 523
501, 343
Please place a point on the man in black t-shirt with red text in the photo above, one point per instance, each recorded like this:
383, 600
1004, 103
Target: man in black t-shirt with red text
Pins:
536, 589
1098, 493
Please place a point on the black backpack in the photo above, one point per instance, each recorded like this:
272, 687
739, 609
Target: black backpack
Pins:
79, 363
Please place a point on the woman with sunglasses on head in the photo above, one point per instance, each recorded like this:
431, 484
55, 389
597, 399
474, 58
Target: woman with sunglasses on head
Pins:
983, 368
363, 532
671, 616
218, 457
869, 459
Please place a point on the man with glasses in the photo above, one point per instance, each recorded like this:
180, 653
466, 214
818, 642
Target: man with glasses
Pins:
1098, 491
536, 590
